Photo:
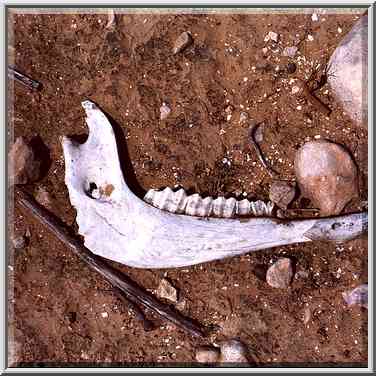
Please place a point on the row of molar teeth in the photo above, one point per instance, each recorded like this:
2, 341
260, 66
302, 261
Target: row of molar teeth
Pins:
194, 205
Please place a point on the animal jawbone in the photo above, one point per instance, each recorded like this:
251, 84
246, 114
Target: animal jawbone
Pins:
119, 226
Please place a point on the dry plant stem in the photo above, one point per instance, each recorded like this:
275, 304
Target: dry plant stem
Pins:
304, 91
24, 80
251, 138
119, 280
139, 314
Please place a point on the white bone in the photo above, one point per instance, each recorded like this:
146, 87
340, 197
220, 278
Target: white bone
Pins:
120, 226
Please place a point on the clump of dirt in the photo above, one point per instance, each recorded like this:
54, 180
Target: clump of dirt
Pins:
62, 313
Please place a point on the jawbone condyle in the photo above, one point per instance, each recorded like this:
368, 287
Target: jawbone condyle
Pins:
119, 226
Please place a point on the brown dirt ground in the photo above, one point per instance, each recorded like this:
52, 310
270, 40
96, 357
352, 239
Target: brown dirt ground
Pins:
56, 304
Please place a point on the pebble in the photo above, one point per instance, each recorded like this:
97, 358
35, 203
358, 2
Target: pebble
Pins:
282, 193
166, 291
43, 197
233, 351
327, 175
165, 111
290, 51
310, 38
182, 41
243, 117
19, 242
357, 296
271, 36
280, 274
207, 354
24, 166
314, 17
291, 68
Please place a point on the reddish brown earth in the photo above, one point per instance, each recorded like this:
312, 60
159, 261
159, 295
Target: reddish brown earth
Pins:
56, 302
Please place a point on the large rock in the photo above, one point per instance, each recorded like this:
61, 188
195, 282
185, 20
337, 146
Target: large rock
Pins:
347, 72
24, 164
327, 175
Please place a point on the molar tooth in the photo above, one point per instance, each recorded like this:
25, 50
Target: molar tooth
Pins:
150, 196
180, 200
173, 202
229, 210
218, 206
196, 206
269, 208
163, 199
243, 207
259, 208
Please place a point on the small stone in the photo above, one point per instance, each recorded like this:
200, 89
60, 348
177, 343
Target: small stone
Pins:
280, 274
24, 166
302, 274
282, 193
306, 315
43, 197
327, 175
265, 51
165, 111
310, 38
104, 315
314, 17
229, 109
243, 117
357, 296
181, 304
295, 90
207, 354
19, 242
291, 68
182, 41
290, 51
167, 291
233, 351
271, 36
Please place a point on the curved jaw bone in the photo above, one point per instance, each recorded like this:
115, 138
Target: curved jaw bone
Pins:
119, 226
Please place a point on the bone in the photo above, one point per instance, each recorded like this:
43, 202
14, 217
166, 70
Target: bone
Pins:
126, 229
195, 205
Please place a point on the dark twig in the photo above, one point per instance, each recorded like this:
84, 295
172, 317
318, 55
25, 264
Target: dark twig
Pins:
119, 280
139, 314
305, 92
24, 80
251, 138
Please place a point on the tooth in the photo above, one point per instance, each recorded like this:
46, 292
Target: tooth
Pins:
229, 210
128, 230
218, 206
196, 206
243, 207
150, 196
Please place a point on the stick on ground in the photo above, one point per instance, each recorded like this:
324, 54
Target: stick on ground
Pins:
128, 287
24, 80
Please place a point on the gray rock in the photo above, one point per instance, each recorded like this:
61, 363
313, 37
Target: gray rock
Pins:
347, 72
282, 193
280, 274
357, 296
207, 354
167, 291
24, 165
43, 197
290, 51
182, 41
326, 175
19, 241
165, 111
233, 351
